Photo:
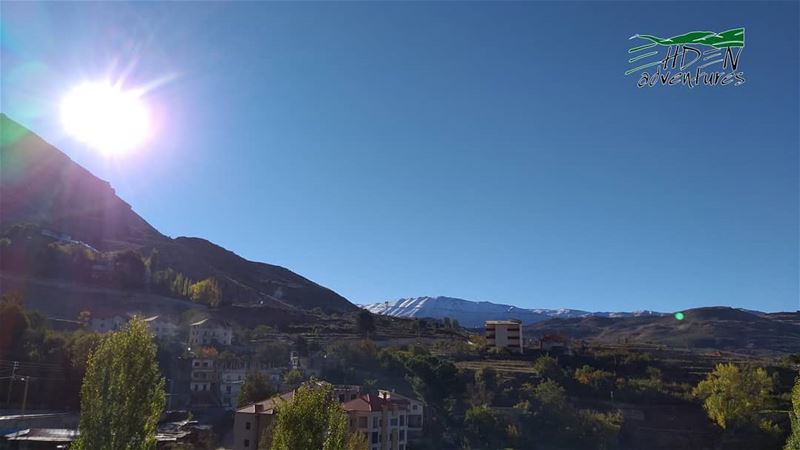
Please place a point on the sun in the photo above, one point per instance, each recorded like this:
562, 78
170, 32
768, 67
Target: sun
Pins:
105, 117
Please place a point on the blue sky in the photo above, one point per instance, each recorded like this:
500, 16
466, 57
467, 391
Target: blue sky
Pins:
489, 151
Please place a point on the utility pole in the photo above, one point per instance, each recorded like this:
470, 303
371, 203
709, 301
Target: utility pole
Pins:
10, 381
25, 395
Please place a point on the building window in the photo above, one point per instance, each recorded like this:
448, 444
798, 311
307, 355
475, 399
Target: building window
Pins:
375, 437
393, 422
402, 435
247, 425
247, 442
374, 422
362, 422
402, 420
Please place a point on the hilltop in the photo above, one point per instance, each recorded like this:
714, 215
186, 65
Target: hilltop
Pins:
719, 328
61, 222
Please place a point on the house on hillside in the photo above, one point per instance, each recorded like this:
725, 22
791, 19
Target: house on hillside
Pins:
252, 421
203, 382
504, 334
231, 378
415, 417
550, 342
162, 327
209, 332
105, 324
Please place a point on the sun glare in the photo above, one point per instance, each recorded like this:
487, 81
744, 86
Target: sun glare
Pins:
105, 117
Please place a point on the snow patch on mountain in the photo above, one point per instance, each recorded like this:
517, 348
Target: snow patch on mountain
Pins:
473, 314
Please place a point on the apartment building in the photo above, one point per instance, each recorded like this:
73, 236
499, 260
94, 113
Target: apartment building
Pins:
382, 419
504, 334
388, 420
209, 332
252, 421
415, 416
231, 378
162, 327
203, 375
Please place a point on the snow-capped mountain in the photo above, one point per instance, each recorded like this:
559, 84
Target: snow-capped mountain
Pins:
473, 314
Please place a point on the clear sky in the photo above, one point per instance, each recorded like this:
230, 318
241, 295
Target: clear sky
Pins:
489, 151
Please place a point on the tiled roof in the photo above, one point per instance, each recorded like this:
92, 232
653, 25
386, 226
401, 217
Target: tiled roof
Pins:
267, 406
211, 322
373, 402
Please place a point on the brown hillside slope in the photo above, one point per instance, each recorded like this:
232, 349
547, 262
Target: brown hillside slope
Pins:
42, 186
719, 328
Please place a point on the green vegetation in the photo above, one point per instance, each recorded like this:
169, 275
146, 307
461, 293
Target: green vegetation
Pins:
550, 421
793, 443
596, 378
206, 292
483, 428
547, 367
365, 323
56, 360
312, 419
123, 392
256, 387
733, 396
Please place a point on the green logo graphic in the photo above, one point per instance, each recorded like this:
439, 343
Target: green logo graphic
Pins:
701, 49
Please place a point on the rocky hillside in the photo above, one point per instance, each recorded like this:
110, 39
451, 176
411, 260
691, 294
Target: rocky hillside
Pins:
473, 314
59, 221
718, 328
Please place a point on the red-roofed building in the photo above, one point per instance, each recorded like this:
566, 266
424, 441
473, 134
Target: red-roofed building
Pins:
381, 418
549, 342
387, 419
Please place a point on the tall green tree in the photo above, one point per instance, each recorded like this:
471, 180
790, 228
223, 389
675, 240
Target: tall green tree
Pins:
256, 387
123, 392
483, 428
13, 323
793, 443
733, 396
313, 419
548, 367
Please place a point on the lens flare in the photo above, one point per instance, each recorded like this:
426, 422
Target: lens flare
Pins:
105, 117
678, 316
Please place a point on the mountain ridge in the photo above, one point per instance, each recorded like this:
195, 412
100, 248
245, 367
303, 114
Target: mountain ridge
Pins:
59, 219
472, 314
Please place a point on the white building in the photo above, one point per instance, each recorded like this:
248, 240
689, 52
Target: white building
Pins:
162, 327
415, 415
210, 331
107, 324
203, 375
232, 378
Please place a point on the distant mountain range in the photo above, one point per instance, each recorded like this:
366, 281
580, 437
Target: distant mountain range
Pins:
707, 329
472, 314
711, 328
60, 222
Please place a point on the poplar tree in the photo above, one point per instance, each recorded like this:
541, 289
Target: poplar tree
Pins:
793, 443
313, 419
122, 395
